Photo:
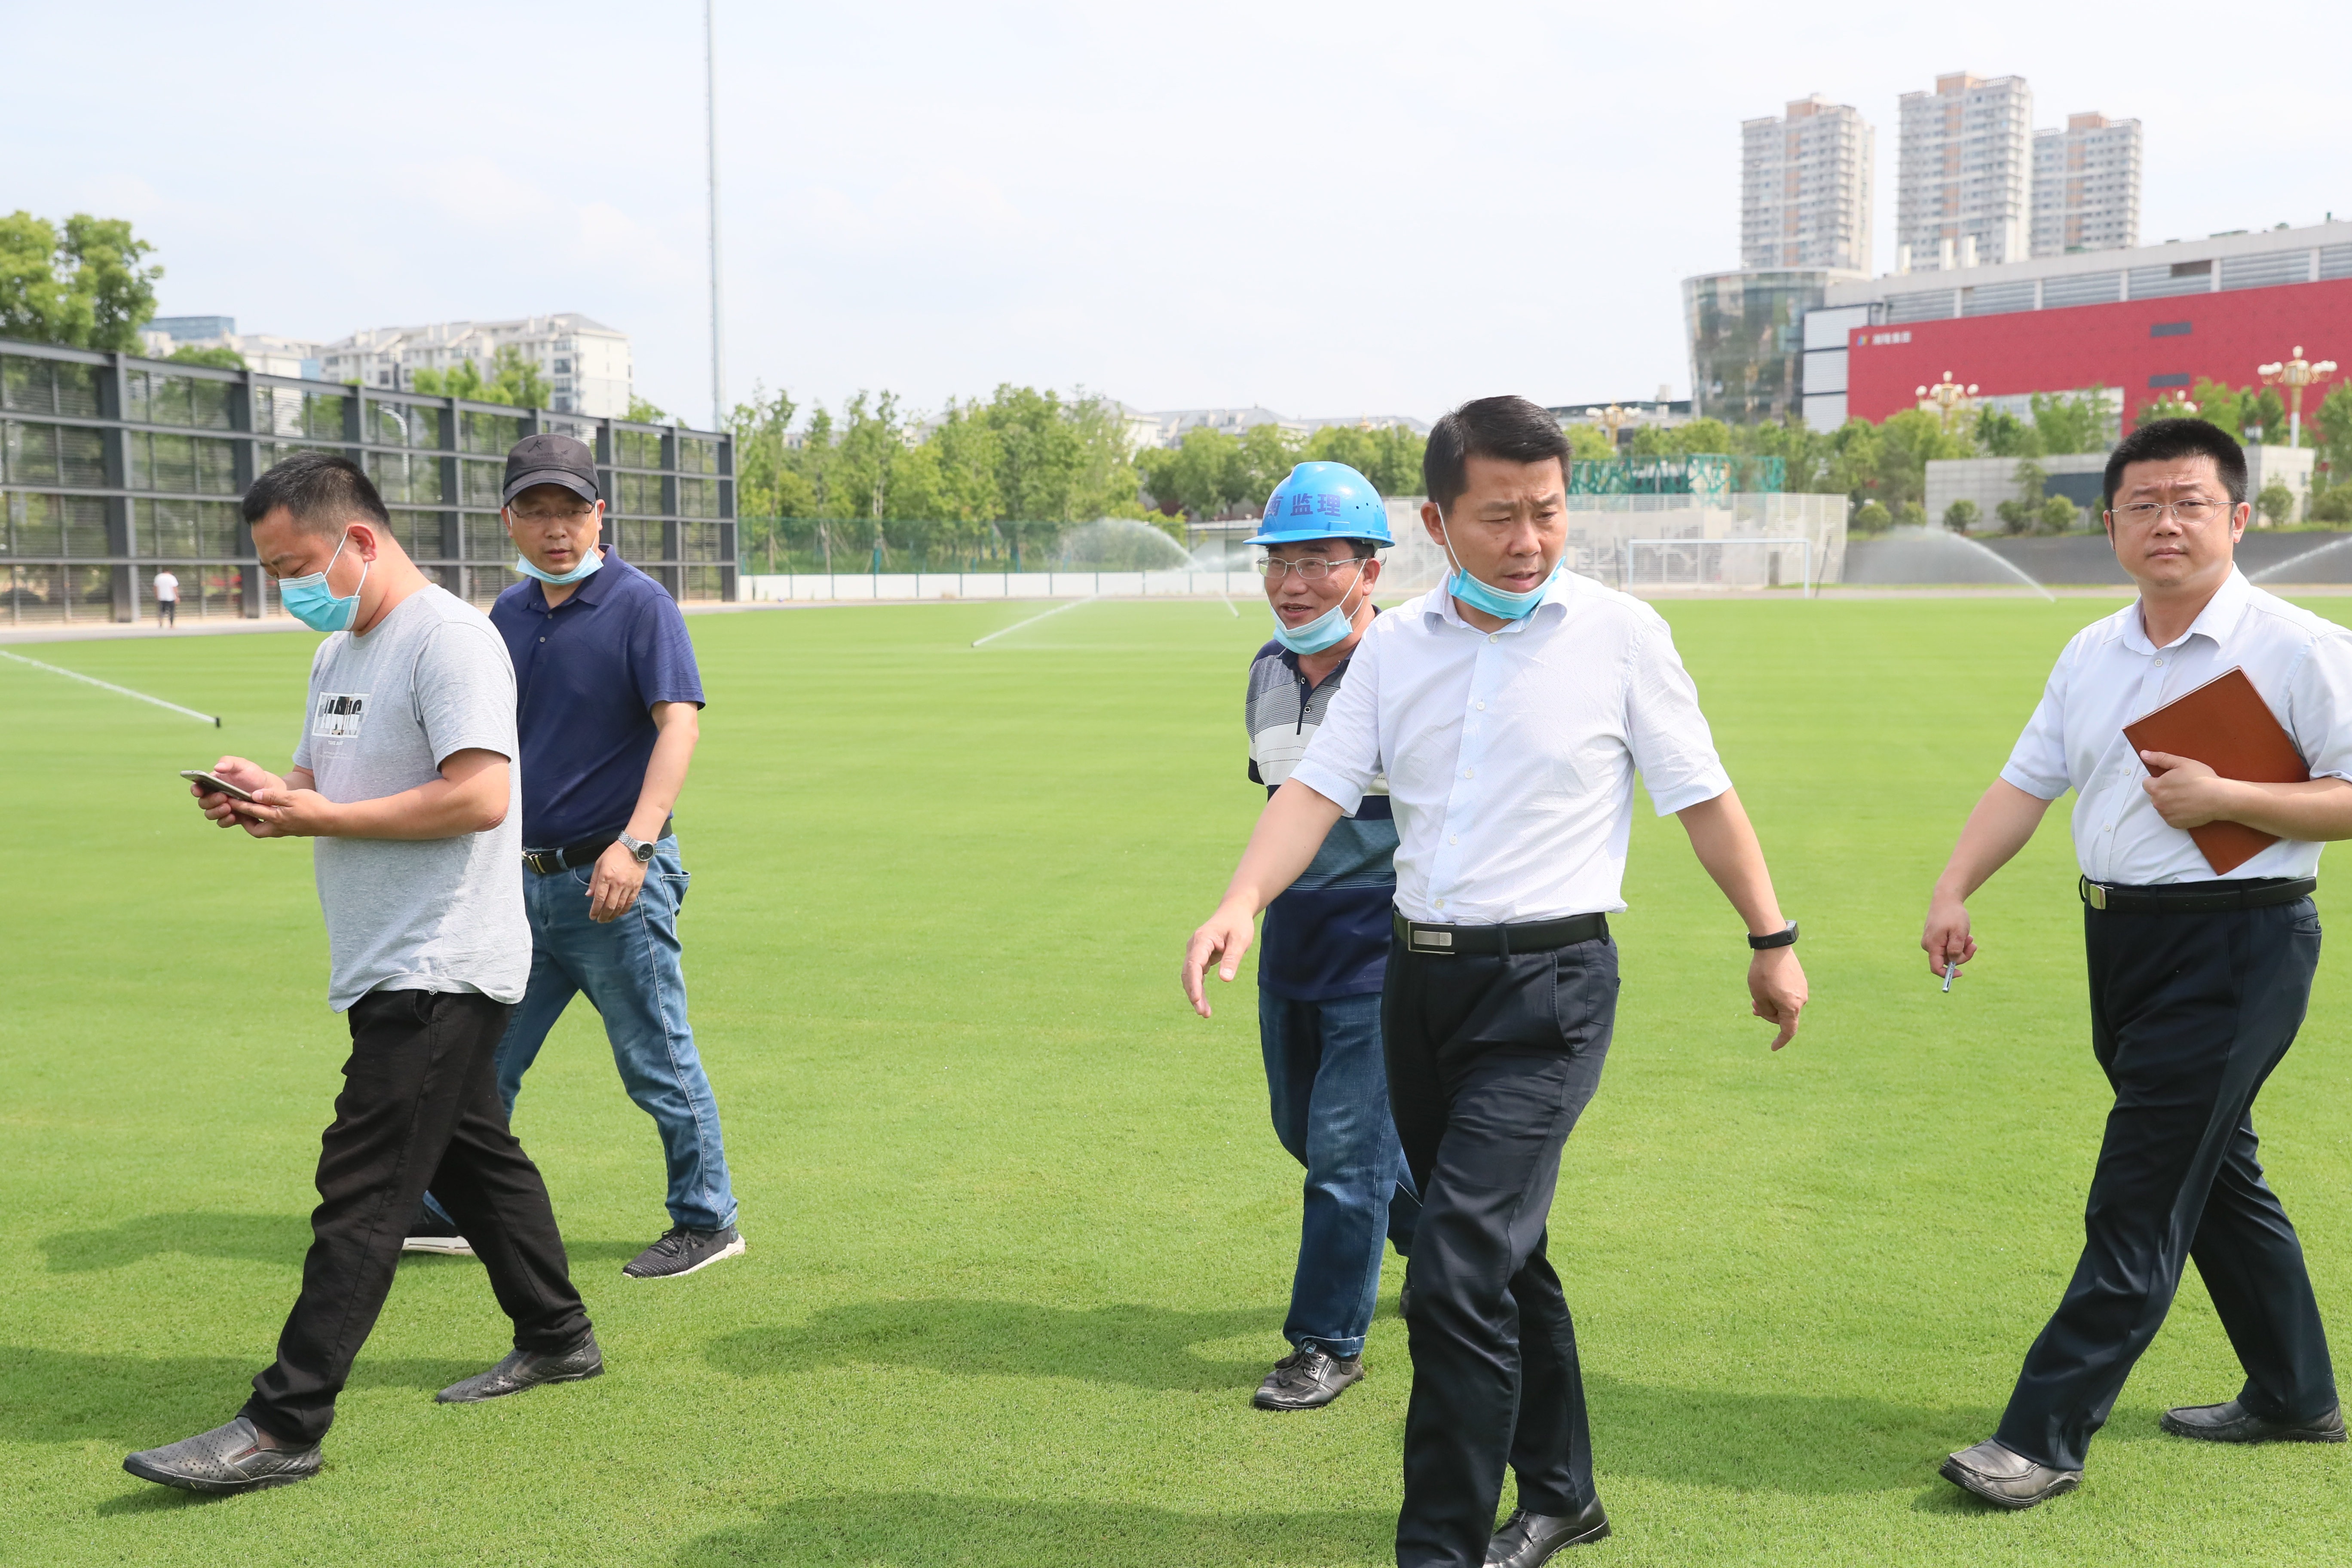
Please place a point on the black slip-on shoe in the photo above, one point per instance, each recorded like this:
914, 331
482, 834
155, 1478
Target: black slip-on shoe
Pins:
1307, 1380
528, 1369
682, 1250
428, 1234
1527, 1539
2233, 1422
226, 1459
2006, 1478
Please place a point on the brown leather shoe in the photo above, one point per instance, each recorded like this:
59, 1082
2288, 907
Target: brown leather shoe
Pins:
2003, 1476
1307, 1380
2233, 1422
1527, 1539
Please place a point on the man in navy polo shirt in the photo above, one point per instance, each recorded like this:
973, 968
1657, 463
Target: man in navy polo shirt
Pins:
607, 700
1326, 941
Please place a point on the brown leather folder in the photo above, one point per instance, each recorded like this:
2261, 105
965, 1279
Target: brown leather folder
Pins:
2226, 725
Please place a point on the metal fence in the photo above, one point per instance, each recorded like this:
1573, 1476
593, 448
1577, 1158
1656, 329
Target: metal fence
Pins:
114, 468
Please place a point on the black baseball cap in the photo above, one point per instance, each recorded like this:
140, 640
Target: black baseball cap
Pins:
551, 460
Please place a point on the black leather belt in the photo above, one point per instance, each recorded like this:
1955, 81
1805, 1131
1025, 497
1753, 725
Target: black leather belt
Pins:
548, 862
2196, 898
1536, 936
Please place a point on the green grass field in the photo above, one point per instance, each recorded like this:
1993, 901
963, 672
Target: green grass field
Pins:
1020, 1235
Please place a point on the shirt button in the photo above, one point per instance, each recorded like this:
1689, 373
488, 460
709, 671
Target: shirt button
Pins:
1441, 904
2160, 664
1469, 773
2110, 827
1490, 636
1482, 707
542, 639
1453, 839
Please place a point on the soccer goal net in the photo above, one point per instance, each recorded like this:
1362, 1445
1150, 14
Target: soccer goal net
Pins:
1717, 563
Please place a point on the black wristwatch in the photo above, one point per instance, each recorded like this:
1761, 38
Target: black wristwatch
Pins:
1783, 938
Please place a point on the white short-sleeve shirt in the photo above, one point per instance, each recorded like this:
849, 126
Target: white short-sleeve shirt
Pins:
1510, 755
2111, 674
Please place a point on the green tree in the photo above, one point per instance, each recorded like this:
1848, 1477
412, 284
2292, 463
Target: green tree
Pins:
83, 287
519, 378
2059, 515
1267, 454
2277, 503
2224, 405
1389, 456
1961, 515
1870, 517
2002, 434
1590, 444
219, 359
2024, 513
2331, 429
643, 411
1203, 474
2081, 422
2265, 418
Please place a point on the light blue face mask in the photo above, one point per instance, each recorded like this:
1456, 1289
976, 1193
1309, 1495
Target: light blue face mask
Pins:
588, 567
1325, 631
310, 601
1485, 596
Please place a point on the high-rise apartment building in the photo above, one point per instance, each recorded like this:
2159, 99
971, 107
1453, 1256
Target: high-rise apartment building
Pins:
1963, 180
587, 365
2087, 186
1805, 188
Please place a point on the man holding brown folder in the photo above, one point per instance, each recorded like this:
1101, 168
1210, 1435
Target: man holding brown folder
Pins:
2198, 865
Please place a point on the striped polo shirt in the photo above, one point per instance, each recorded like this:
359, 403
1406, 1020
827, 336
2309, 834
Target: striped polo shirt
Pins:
1328, 936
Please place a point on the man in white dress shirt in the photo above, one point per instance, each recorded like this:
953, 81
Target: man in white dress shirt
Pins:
2198, 981
1509, 710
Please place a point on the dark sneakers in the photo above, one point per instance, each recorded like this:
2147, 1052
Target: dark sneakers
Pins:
1527, 1539
427, 1234
683, 1249
2005, 1477
1307, 1380
2233, 1422
226, 1459
528, 1369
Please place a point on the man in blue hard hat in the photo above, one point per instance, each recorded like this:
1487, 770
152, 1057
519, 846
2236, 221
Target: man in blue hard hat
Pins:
1327, 939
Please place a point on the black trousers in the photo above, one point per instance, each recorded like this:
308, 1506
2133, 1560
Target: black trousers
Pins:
1490, 1060
2189, 1015
420, 1106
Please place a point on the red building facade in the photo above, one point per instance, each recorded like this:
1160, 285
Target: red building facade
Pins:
2148, 348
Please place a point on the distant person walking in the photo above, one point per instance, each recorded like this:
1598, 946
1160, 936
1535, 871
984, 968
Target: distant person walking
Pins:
609, 703
404, 774
2199, 978
1326, 941
167, 599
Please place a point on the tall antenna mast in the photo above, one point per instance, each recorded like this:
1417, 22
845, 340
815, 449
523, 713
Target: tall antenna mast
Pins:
718, 337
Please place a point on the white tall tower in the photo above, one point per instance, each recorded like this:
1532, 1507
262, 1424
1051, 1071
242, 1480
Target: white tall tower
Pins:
1963, 178
2087, 186
1805, 188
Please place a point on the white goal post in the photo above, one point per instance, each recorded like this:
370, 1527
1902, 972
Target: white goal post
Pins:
1702, 563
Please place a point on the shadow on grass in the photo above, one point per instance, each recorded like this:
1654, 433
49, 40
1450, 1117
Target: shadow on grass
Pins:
246, 1237
66, 1397
1142, 1347
911, 1528
1801, 1443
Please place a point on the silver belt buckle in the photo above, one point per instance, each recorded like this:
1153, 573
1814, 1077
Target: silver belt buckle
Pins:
2094, 894
531, 857
1419, 938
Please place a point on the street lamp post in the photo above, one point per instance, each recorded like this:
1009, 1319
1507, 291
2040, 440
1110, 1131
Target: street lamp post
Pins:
1947, 398
1611, 419
2294, 374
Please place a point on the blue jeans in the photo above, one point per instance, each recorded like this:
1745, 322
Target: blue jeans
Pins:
1329, 1089
629, 969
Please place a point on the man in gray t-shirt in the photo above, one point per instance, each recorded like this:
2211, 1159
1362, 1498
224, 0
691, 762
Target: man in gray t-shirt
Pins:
406, 776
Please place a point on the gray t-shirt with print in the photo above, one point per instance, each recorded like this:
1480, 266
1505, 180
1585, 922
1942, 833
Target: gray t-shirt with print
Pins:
386, 709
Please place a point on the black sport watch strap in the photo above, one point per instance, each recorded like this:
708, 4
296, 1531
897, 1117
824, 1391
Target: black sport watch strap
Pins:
1785, 938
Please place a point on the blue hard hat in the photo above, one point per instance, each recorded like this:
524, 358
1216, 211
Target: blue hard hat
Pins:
1323, 500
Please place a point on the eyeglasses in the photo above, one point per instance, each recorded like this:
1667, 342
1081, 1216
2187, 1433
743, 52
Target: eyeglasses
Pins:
2191, 512
576, 517
1314, 568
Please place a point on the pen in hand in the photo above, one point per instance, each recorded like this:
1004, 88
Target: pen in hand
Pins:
1949, 967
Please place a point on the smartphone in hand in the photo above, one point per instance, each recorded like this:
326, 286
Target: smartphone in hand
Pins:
214, 785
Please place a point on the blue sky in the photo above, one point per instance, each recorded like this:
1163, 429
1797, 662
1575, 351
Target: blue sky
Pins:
1328, 209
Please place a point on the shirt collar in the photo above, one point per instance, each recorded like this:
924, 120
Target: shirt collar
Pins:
2216, 621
